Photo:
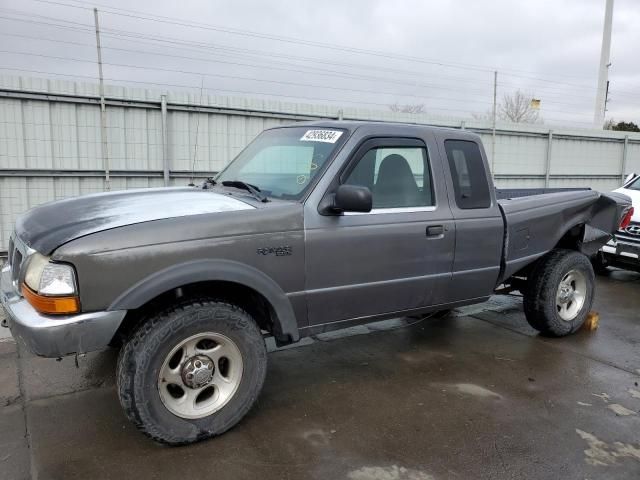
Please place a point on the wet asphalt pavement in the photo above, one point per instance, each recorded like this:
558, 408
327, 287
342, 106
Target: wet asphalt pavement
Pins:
475, 395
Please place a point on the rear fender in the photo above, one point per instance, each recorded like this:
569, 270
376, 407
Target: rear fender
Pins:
606, 214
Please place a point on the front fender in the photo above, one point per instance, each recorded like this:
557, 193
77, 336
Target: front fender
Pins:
213, 270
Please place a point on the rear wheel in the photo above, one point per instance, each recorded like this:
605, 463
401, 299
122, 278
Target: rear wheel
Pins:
192, 371
559, 293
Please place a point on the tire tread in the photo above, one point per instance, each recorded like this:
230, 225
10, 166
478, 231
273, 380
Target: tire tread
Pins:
138, 344
540, 293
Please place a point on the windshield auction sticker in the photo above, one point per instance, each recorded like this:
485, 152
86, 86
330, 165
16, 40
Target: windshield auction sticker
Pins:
327, 136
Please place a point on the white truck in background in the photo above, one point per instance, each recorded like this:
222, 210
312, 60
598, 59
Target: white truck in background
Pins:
623, 251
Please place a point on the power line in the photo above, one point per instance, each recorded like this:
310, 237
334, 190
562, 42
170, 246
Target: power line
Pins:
192, 24
188, 23
252, 52
236, 49
120, 33
253, 92
475, 81
357, 90
214, 90
262, 53
322, 71
268, 94
272, 81
342, 74
234, 77
67, 27
125, 33
45, 17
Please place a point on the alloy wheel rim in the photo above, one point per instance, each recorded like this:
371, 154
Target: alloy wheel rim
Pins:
200, 375
571, 295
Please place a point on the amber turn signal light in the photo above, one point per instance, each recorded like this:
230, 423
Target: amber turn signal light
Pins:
51, 305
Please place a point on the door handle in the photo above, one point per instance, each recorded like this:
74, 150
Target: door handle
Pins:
435, 230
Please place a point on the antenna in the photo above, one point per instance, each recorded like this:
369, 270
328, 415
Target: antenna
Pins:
195, 147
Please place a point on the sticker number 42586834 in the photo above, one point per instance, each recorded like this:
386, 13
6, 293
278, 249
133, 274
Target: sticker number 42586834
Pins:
327, 136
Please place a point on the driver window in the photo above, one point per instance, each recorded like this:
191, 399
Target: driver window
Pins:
398, 177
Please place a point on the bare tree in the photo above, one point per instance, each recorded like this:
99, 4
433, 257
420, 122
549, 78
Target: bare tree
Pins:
516, 108
397, 108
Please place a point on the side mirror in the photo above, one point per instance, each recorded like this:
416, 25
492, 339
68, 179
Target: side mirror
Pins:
353, 198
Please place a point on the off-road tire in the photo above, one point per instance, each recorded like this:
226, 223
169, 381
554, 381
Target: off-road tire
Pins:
144, 352
540, 306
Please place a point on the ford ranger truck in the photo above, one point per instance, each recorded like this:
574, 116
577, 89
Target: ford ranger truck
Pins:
313, 227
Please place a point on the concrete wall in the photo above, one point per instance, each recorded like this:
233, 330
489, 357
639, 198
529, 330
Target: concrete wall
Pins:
50, 142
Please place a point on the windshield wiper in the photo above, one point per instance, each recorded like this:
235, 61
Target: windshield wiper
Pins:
255, 191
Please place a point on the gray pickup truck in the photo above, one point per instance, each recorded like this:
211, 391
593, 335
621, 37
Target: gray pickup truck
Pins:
312, 227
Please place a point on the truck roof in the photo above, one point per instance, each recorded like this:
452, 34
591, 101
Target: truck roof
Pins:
396, 128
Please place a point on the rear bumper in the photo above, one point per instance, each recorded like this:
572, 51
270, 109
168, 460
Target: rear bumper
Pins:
56, 336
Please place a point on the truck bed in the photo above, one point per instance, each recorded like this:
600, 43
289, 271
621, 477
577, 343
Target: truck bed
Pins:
537, 219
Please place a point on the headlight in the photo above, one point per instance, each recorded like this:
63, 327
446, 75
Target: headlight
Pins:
48, 278
50, 287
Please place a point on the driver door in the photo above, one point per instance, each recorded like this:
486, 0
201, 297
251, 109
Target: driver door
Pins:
396, 258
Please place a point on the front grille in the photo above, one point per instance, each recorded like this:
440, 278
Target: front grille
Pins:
631, 234
16, 263
10, 251
16, 255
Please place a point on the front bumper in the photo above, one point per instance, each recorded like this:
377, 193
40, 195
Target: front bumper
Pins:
622, 254
56, 336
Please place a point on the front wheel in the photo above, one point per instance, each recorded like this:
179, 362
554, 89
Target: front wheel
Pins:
559, 293
192, 371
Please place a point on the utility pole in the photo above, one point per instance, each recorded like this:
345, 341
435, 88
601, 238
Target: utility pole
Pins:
493, 121
603, 72
103, 109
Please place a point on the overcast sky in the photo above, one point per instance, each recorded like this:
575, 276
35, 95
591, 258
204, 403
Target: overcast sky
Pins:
368, 53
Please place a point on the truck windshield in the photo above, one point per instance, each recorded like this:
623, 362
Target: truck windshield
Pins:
283, 162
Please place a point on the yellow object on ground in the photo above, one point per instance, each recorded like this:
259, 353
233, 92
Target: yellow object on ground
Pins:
591, 323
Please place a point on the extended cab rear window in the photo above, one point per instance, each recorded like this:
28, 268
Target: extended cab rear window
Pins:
470, 183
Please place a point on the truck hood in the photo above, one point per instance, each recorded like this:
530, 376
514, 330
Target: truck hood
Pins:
635, 199
49, 226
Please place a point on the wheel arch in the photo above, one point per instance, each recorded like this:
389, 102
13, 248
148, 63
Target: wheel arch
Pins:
215, 272
572, 237
569, 238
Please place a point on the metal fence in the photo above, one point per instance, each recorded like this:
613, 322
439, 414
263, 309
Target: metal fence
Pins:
51, 133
